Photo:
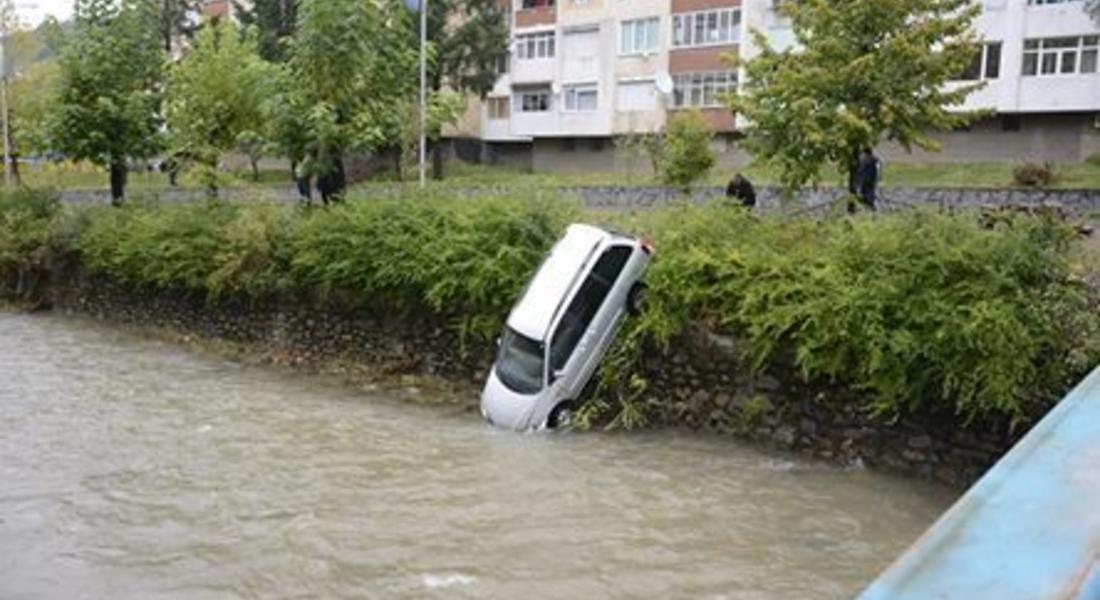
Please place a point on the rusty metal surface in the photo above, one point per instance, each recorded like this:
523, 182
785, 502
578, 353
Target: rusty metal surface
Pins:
1028, 530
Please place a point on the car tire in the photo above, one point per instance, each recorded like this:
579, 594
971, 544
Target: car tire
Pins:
635, 300
561, 416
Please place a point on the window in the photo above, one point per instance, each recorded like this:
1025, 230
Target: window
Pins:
706, 28
640, 36
1011, 123
585, 304
537, 4
581, 98
535, 45
498, 107
520, 362
537, 100
636, 96
986, 63
1036, 2
702, 90
1061, 56
502, 64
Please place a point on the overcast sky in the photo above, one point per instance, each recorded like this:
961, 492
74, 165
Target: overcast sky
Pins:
33, 11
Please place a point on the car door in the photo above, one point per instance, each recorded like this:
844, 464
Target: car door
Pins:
583, 332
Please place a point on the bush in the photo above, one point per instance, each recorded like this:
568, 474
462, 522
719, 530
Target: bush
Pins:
686, 156
1093, 159
921, 312
1034, 174
26, 238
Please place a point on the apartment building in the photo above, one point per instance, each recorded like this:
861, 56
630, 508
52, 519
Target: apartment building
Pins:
584, 72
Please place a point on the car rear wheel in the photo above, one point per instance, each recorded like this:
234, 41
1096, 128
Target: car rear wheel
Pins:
561, 416
635, 300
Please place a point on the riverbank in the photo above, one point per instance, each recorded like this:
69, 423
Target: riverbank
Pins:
921, 343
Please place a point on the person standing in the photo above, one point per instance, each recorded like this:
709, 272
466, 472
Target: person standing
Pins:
865, 183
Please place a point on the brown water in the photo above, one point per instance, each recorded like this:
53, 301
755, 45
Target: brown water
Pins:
131, 468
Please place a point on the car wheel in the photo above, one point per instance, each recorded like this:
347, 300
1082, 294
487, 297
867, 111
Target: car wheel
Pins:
561, 416
635, 300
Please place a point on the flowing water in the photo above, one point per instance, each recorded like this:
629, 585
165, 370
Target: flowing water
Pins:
132, 468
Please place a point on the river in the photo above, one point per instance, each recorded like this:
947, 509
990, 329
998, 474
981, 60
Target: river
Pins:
134, 468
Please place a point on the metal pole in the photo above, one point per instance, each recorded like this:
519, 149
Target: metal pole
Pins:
4, 105
423, 85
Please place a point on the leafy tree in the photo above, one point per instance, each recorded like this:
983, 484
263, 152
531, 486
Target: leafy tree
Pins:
275, 20
111, 71
176, 20
344, 62
31, 98
686, 154
469, 40
859, 74
215, 97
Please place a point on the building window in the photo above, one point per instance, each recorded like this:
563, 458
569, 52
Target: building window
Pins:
702, 90
536, 4
1038, 2
581, 98
537, 100
498, 107
535, 45
706, 28
640, 36
502, 64
1061, 56
636, 96
986, 63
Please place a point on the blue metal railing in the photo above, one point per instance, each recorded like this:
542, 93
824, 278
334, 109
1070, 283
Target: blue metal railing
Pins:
1028, 530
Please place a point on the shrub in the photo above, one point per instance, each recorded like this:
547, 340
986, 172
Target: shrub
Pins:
1034, 174
686, 156
26, 237
1093, 159
921, 312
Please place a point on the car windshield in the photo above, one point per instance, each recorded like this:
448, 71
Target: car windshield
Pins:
520, 362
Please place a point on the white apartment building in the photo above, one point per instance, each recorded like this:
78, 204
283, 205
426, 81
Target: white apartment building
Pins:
583, 72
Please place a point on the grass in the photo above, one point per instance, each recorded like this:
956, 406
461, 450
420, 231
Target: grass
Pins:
87, 177
896, 174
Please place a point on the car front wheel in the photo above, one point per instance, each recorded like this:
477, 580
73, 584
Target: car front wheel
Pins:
561, 416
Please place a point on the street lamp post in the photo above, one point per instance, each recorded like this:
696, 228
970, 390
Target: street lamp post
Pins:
423, 86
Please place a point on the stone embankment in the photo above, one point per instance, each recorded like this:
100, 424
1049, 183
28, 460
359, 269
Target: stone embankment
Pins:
697, 383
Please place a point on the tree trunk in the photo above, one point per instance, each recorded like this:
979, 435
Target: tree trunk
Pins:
15, 169
853, 188
399, 163
437, 161
255, 161
118, 182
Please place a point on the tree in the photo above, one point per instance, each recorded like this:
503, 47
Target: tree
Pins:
275, 20
111, 72
469, 40
215, 97
176, 20
346, 68
686, 155
31, 99
860, 73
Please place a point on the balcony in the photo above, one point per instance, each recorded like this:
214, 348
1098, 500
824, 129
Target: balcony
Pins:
532, 13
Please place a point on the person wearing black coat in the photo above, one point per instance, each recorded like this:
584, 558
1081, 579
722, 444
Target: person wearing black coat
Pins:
740, 188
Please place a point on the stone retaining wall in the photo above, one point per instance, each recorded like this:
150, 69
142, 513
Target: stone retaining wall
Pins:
697, 383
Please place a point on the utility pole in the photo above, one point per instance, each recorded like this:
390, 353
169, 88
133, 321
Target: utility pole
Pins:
423, 87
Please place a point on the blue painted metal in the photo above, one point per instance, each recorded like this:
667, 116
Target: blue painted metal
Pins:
1028, 530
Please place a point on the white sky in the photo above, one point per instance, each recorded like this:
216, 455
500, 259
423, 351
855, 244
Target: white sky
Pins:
32, 12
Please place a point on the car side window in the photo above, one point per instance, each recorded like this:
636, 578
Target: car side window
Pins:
586, 303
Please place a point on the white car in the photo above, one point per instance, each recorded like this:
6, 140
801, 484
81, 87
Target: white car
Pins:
562, 326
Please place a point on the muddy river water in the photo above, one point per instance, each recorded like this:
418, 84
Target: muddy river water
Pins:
133, 468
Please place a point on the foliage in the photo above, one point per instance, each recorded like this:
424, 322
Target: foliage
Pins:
177, 20
686, 155
216, 96
1034, 174
1093, 159
31, 99
274, 19
921, 312
860, 73
111, 63
26, 236
635, 145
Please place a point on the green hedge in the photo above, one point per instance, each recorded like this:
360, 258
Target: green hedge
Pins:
28, 228
918, 311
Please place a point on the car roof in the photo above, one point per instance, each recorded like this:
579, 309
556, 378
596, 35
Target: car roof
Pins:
545, 293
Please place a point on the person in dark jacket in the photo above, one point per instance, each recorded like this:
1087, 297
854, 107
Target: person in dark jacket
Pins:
740, 188
865, 183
